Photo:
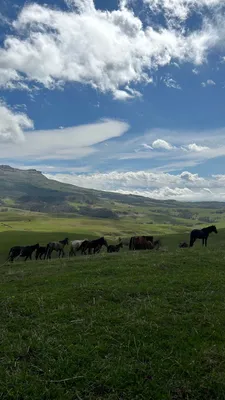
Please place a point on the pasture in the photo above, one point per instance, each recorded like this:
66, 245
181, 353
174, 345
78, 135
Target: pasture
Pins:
131, 325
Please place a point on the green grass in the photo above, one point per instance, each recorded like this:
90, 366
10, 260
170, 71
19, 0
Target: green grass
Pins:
133, 325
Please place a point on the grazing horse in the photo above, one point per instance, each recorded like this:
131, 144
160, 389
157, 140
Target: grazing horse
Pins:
115, 248
141, 243
156, 244
57, 246
40, 252
202, 234
96, 245
183, 245
75, 246
22, 251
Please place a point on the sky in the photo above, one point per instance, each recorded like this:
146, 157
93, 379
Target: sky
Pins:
125, 96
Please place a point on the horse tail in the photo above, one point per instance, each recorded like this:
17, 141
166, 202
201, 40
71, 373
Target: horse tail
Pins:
71, 250
48, 250
10, 251
191, 240
10, 254
37, 254
131, 244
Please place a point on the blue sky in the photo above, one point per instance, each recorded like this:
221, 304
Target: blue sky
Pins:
126, 97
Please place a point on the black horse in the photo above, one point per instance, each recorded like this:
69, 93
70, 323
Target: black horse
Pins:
114, 248
22, 251
96, 245
41, 252
183, 245
202, 234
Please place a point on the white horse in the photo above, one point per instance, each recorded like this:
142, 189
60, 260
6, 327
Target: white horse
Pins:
74, 246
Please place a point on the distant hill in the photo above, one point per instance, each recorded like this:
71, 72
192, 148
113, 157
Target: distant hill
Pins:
31, 190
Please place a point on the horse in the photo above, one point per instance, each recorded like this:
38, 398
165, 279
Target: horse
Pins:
115, 248
202, 234
75, 246
40, 252
156, 244
57, 246
96, 245
22, 251
183, 245
141, 242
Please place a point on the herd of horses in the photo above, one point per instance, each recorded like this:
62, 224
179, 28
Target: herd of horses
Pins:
94, 246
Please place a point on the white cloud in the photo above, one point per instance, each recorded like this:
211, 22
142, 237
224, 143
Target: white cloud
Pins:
189, 177
209, 82
181, 9
183, 187
12, 126
107, 50
161, 144
184, 148
146, 146
197, 148
66, 143
171, 83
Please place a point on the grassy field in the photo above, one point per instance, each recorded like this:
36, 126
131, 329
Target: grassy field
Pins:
21, 227
133, 325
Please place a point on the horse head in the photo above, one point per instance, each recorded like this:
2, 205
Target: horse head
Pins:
214, 229
104, 242
37, 246
66, 241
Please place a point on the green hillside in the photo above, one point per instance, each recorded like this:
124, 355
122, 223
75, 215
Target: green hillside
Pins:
132, 325
29, 194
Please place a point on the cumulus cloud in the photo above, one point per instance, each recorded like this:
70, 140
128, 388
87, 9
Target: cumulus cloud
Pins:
182, 148
184, 187
181, 9
108, 50
195, 147
188, 177
12, 125
161, 144
67, 143
209, 82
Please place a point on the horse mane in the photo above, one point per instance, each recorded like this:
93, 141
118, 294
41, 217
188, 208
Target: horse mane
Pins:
34, 245
64, 240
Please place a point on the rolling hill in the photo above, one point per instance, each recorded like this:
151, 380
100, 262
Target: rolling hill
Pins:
30, 190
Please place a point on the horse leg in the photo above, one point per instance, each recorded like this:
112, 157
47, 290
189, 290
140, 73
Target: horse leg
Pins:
63, 253
71, 253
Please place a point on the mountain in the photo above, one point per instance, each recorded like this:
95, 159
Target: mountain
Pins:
31, 190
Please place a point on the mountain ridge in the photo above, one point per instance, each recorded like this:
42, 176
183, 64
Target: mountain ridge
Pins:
31, 190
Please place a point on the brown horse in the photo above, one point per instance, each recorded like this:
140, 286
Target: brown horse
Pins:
141, 243
96, 245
